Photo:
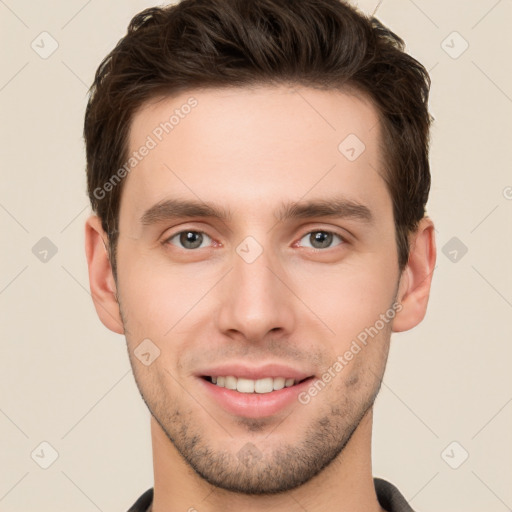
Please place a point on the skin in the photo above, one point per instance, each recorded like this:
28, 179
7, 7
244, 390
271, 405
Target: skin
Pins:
250, 149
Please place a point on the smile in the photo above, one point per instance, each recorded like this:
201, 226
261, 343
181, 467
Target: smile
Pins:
242, 385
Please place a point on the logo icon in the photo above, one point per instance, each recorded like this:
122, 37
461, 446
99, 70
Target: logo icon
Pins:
351, 147
454, 45
44, 45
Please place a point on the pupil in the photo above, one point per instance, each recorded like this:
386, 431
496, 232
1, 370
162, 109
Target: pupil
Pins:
187, 239
323, 237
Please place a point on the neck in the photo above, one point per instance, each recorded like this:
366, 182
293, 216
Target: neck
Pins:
345, 485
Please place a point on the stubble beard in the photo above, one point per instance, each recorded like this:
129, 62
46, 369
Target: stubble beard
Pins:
252, 470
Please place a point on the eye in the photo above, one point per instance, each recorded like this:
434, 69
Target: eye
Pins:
189, 239
321, 239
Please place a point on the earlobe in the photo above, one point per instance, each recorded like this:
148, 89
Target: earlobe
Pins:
416, 279
101, 279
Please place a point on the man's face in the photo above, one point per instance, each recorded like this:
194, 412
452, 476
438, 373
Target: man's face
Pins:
256, 295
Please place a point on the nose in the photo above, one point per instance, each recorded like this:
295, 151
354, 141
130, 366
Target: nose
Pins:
256, 298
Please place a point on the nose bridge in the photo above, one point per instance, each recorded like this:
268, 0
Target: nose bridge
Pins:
255, 300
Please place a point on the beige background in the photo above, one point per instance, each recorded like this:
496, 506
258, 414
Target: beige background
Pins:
66, 380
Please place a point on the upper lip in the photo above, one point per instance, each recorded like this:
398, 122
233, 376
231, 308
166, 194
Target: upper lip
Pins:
255, 372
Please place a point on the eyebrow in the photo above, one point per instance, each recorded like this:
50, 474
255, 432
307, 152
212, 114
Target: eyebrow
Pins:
337, 207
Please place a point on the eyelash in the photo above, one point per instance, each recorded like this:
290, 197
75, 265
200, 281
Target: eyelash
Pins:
342, 238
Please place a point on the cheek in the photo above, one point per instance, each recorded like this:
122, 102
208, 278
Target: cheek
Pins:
157, 296
349, 298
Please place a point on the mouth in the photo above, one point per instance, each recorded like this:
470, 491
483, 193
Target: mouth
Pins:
263, 397
253, 386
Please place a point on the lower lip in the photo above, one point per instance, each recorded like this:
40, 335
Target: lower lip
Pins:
254, 405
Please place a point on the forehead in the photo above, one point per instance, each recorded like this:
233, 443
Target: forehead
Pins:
250, 147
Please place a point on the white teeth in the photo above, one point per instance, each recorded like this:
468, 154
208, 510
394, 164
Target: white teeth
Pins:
279, 383
289, 382
230, 382
245, 385
265, 385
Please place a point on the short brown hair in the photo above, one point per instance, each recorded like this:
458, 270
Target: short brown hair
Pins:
323, 44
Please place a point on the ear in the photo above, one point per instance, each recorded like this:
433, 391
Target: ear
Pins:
416, 278
101, 279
